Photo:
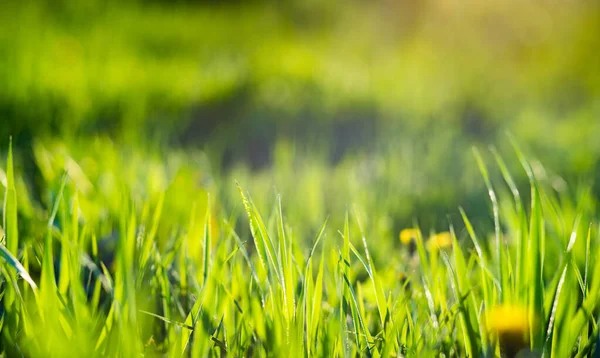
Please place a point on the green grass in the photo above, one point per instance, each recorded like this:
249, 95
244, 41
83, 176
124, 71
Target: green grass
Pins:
121, 66
377, 87
122, 238
121, 255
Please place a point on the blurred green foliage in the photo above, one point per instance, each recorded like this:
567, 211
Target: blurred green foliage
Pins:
121, 65
394, 94
154, 110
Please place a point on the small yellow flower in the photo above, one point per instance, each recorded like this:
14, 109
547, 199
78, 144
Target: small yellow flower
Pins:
443, 240
511, 324
408, 235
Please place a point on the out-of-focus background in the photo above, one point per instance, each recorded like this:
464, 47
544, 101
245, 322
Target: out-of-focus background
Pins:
329, 103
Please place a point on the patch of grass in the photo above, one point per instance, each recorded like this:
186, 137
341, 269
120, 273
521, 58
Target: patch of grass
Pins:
134, 258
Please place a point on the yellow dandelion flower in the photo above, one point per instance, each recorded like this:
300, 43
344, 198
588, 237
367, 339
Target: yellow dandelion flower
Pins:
408, 235
511, 324
443, 240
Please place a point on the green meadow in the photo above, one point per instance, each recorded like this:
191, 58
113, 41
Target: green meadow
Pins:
268, 178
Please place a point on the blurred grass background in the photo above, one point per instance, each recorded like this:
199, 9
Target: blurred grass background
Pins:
355, 109
370, 102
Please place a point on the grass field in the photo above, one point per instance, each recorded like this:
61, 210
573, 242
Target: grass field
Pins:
113, 261
299, 178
